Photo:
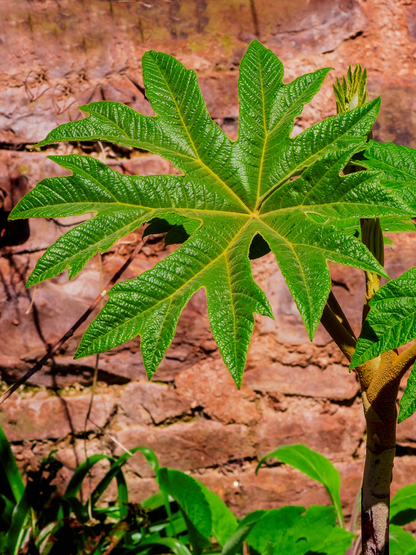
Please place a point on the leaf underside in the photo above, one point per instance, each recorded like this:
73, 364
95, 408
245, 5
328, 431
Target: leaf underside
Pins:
286, 192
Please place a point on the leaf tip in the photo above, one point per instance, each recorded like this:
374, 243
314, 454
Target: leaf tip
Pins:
311, 329
261, 461
58, 159
14, 214
85, 108
238, 381
358, 359
80, 352
376, 103
149, 54
384, 274
32, 280
150, 373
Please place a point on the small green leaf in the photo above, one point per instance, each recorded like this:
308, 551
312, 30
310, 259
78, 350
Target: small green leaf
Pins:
408, 401
116, 472
154, 501
9, 467
189, 495
292, 530
75, 483
6, 509
337, 543
224, 523
17, 531
235, 542
314, 465
198, 541
391, 321
403, 506
401, 542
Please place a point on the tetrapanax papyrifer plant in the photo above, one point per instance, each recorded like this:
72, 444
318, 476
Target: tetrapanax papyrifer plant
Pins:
300, 197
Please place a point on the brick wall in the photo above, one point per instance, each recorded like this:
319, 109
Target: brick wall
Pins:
58, 54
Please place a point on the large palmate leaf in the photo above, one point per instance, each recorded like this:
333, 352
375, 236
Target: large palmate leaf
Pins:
264, 187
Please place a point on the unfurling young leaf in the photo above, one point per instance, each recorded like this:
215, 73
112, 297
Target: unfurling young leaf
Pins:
351, 91
282, 193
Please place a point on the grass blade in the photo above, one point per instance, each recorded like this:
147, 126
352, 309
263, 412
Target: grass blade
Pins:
17, 530
8, 463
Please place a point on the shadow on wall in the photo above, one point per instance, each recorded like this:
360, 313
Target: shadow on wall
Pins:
16, 232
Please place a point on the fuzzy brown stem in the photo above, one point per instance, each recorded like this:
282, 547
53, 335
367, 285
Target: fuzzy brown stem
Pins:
405, 361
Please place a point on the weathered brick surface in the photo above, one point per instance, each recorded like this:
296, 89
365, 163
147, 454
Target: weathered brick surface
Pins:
56, 56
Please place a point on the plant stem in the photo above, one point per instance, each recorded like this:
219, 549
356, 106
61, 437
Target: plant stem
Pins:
375, 501
338, 332
339, 313
379, 378
372, 237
